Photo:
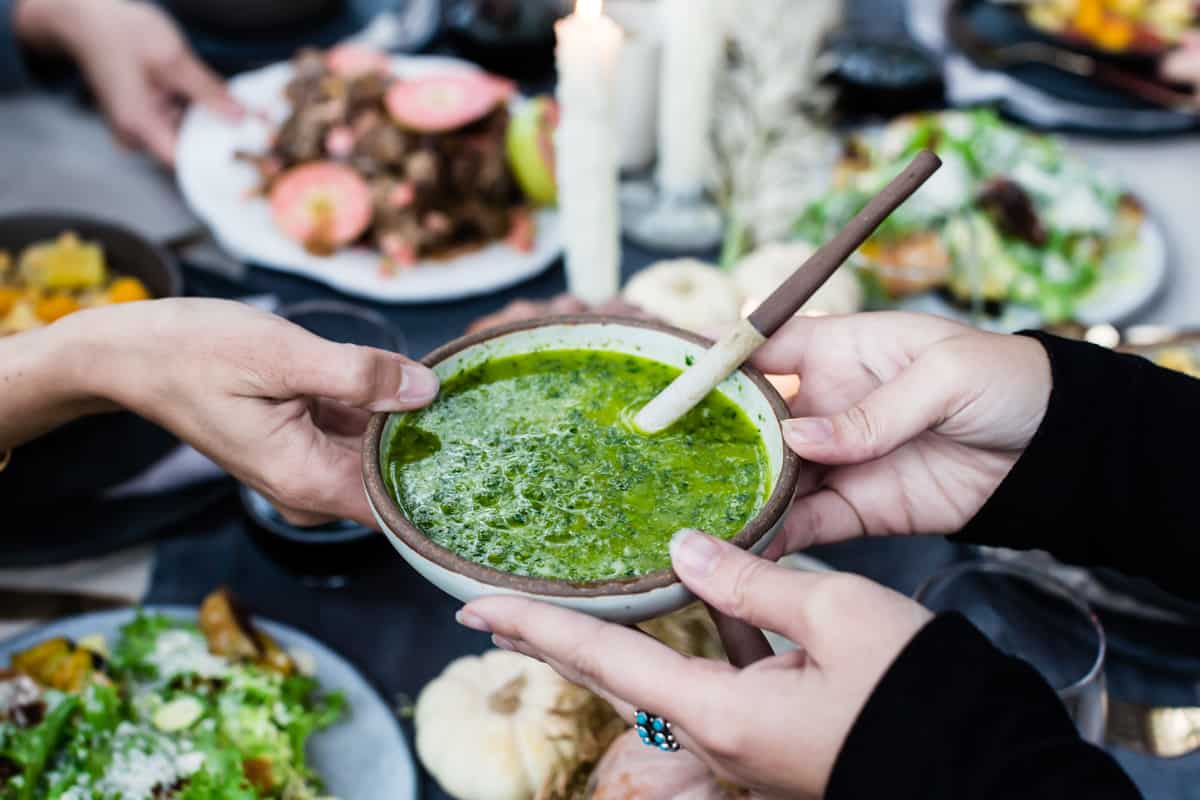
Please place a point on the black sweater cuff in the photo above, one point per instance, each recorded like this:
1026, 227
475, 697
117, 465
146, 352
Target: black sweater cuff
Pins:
955, 718
1108, 478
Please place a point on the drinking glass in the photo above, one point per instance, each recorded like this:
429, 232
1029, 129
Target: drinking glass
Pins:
327, 555
1037, 618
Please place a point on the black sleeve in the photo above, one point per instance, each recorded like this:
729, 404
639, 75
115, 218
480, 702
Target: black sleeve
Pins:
954, 718
13, 72
1109, 477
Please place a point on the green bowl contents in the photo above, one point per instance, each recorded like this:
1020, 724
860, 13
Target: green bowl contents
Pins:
529, 464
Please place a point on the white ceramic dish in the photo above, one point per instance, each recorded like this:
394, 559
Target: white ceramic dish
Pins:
382, 771
216, 186
627, 601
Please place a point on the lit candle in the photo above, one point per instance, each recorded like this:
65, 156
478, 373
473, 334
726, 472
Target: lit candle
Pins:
589, 44
692, 37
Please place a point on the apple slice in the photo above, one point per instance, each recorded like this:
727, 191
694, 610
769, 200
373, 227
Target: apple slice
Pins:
529, 143
446, 101
321, 205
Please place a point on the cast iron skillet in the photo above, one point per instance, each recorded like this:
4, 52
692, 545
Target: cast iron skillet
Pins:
81, 460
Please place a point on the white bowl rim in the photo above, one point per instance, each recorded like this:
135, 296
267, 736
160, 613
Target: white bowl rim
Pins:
398, 526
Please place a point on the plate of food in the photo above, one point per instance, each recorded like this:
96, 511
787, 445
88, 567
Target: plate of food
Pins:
1013, 232
52, 265
1125, 28
394, 178
171, 702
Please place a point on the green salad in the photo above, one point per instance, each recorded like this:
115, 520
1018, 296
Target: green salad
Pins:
214, 711
1011, 218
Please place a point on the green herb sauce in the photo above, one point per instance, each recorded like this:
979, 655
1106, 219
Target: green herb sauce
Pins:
530, 464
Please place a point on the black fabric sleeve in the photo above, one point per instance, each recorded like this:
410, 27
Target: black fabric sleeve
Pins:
956, 719
13, 71
1109, 478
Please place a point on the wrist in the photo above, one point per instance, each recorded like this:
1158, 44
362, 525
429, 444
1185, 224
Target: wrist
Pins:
46, 25
87, 347
44, 373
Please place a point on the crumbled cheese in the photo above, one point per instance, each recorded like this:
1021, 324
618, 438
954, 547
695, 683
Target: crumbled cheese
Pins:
142, 761
183, 652
17, 691
306, 662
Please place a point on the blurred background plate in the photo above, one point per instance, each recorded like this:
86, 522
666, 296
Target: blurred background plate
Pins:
363, 757
216, 187
1115, 299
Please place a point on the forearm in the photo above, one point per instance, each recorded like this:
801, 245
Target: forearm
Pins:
1108, 478
46, 380
954, 717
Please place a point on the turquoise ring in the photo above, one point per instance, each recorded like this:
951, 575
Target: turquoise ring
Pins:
654, 731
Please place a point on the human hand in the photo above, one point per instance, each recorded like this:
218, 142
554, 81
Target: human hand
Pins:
912, 421
1182, 65
775, 727
279, 408
136, 61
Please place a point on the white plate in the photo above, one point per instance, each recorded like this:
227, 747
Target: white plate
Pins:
363, 757
1114, 300
216, 186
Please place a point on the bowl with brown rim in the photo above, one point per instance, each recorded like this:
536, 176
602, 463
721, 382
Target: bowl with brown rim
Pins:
628, 600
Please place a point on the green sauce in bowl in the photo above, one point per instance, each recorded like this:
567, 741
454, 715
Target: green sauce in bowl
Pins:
529, 464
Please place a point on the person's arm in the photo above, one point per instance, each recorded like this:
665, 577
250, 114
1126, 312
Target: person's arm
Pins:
136, 61
1109, 478
14, 73
280, 409
954, 717
42, 382
880, 699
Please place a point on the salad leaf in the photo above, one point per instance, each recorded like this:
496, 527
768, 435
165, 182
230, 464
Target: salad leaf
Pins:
31, 749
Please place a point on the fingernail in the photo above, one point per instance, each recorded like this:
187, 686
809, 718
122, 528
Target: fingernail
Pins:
469, 619
694, 553
502, 643
812, 430
418, 384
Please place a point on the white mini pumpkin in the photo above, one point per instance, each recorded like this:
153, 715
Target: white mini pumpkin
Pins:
686, 293
502, 726
762, 272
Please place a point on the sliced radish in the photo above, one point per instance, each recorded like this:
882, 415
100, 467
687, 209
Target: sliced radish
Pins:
402, 195
321, 205
446, 101
354, 60
339, 141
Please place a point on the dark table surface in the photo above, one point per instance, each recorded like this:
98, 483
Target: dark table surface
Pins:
400, 630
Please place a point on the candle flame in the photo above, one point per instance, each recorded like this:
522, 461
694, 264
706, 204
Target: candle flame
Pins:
589, 8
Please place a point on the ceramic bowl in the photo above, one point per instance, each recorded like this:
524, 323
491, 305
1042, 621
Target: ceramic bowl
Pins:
629, 600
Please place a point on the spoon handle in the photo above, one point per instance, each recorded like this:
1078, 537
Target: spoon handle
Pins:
785, 301
719, 361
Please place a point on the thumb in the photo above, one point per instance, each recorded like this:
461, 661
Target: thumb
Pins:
743, 586
362, 377
188, 77
898, 411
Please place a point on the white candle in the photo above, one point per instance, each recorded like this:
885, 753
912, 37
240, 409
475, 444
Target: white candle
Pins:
638, 73
692, 39
589, 45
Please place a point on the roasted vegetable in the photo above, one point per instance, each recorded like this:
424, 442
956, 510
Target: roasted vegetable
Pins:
231, 634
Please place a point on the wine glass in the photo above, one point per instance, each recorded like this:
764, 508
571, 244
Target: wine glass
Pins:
1037, 618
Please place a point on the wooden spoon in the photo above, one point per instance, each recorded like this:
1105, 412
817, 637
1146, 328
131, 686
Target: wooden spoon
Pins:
719, 361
